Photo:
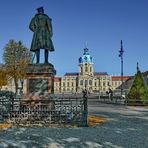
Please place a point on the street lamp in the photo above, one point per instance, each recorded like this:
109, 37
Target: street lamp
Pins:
121, 56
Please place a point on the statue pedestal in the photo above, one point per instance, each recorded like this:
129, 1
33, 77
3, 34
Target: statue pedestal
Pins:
40, 79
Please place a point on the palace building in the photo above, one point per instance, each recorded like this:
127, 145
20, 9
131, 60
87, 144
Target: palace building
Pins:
86, 78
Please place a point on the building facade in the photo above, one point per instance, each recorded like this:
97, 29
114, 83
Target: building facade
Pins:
116, 81
86, 78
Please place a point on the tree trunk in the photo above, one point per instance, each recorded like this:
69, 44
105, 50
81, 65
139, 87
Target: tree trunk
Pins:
16, 86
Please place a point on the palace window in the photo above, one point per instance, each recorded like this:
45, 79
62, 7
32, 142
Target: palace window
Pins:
86, 68
85, 83
63, 83
68, 84
108, 84
81, 82
90, 82
90, 69
81, 70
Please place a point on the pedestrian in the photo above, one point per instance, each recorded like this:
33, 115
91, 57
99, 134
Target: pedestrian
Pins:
110, 93
84, 93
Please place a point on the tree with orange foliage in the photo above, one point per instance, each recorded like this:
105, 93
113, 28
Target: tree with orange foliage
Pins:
16, 57
3, 77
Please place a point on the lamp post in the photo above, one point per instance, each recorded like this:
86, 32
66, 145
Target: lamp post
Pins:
85, 99
121, 51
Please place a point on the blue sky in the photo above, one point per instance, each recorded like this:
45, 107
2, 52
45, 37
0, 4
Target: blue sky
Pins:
100, 23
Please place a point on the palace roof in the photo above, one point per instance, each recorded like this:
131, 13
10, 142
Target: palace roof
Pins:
71, 74
118, 78
100, 73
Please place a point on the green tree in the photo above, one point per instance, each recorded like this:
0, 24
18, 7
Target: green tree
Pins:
16, 57
138, 92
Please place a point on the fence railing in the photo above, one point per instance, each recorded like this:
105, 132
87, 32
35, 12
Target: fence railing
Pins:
136, 102
108, 100
50, 111
119, 100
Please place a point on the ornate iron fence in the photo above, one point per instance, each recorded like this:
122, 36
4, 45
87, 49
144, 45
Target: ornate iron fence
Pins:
71, 111
6, 101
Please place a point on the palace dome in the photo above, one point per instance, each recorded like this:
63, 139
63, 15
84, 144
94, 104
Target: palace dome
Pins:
86, 57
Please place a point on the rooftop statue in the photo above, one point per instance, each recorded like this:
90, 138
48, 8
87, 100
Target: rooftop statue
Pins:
42, 28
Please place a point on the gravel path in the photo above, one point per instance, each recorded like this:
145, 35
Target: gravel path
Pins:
127, 127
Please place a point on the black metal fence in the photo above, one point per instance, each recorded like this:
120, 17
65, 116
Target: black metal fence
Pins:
71, 111
6, 102
112, 100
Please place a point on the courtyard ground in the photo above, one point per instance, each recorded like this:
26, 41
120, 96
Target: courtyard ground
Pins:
126, 127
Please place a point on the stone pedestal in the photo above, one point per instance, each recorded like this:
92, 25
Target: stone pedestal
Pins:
40, 79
